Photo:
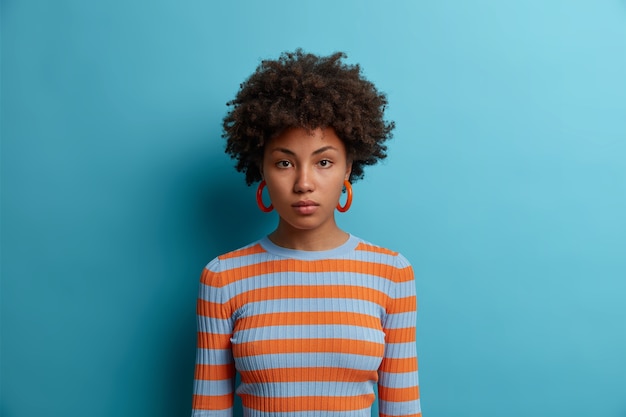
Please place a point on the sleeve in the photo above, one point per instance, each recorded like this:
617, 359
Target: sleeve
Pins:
213, 389
398, 386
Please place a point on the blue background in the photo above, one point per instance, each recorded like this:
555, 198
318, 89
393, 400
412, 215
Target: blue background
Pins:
505, 187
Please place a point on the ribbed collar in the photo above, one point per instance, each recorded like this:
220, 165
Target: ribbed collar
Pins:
306, 255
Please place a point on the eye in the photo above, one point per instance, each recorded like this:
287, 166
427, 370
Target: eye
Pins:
283, 164
325, 163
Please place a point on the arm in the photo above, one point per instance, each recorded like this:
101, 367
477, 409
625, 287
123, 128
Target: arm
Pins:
215, 372
398, 387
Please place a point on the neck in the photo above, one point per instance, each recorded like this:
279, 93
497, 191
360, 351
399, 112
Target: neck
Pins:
308, 240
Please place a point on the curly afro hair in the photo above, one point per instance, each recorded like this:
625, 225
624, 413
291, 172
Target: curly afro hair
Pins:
308, 91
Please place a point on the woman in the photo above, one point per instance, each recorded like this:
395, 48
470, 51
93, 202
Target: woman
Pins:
312, 318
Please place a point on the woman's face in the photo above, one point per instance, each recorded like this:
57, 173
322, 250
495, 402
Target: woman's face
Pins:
304, 171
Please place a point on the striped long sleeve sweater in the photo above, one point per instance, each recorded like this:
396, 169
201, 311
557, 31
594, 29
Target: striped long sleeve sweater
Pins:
311, 333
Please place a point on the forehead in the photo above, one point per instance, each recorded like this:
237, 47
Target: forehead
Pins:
305, 141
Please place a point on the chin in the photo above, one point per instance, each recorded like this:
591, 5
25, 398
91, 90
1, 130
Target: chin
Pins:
304, 225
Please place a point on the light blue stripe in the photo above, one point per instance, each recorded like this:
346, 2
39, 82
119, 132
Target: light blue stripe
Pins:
400, 350
340, 251
219, 387
356, 413
308, 360
401, 320
373, 257
358, 256
286, 279
399, 408
213, 356
213, 325
306, 388
392, 380
238, 262
309, 332
404, 289
210, 294
212, 413
297, 305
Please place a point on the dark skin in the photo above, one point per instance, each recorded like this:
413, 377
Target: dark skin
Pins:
304, 171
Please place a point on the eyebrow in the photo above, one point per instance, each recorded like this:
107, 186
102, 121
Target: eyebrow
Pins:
316, 152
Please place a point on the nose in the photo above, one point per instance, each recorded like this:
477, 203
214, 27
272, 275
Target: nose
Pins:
304, 180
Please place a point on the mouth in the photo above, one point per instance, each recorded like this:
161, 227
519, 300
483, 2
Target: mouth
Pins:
305, 203
305, 207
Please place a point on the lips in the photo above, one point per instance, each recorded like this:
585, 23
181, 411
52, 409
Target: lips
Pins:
305, 203
305, 207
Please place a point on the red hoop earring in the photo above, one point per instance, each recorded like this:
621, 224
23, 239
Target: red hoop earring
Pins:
259, 199
346, 206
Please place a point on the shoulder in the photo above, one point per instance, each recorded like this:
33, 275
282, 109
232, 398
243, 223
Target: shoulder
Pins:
397, 266
253, 248
245, 256
250, 249
370, 248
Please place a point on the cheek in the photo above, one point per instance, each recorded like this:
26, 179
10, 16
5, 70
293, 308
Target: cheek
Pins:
338, 188
277, 188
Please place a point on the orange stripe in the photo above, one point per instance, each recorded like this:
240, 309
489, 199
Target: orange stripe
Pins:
398, 365
214, 372
208, 277
243, 252
349, 346
376, 249
310, 291
293, 404
398, 394
330, 265
213, 341
212, 402
404, 274
209, 309
308, 318
400, 335
310, 374
403, 305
